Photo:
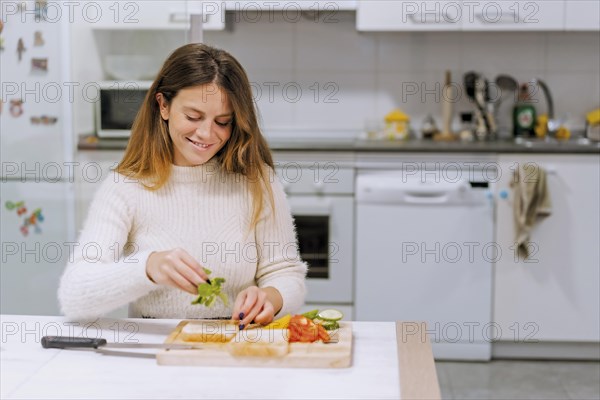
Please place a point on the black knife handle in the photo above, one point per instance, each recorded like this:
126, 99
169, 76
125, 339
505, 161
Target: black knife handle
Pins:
62, 342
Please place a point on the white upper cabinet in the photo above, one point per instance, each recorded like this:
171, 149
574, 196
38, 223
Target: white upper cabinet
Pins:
290, 6
148, 14
213, 14
521, 15
467, 15
376, 15
582, 15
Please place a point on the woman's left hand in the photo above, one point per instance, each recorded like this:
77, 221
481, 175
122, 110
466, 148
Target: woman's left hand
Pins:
256, 304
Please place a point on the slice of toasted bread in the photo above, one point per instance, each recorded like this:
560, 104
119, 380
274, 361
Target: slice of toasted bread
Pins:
260, 343
209, 331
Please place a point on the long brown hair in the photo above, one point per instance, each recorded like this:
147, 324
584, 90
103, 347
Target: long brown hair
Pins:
149, 153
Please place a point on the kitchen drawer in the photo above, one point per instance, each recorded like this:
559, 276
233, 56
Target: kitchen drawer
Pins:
320, 177
290, 6
582, 15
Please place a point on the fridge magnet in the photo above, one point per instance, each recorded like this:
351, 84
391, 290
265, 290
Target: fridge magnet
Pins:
39, 64
20, 48
32, 220
40, 9
38, 40
16, 108
43, 120
19, 206
1, 38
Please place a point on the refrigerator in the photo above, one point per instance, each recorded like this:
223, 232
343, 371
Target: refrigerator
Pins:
37, 174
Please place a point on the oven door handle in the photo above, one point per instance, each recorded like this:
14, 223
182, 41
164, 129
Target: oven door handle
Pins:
312, 210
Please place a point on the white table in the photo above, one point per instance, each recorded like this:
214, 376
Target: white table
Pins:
389, 360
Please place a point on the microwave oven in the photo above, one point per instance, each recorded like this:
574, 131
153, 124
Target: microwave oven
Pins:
117, 105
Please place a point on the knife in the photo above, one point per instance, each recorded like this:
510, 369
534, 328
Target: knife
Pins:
66, 342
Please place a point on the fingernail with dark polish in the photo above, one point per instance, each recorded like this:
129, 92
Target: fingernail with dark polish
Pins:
208, 281
242, 327
241, 315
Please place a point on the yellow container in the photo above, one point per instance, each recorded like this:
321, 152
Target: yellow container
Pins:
397, 125
541, 126
593, 117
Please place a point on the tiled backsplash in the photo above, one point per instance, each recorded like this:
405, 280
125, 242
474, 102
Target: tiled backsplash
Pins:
318, 78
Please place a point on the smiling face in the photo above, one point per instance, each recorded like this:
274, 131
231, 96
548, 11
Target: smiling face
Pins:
200, 123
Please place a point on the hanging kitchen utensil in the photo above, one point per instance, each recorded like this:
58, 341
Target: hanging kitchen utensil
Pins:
471, 87
505, 84
488, 107
469, 79
481, 88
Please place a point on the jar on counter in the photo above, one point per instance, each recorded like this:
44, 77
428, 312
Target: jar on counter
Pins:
467, 129
397, 125
429, 127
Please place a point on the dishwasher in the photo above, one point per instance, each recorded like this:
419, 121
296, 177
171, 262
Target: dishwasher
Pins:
424, 252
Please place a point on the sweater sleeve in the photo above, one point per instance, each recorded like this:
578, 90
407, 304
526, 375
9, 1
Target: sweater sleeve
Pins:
279, 263
100, 276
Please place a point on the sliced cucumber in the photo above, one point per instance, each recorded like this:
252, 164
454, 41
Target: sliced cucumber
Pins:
330, 315
330, 325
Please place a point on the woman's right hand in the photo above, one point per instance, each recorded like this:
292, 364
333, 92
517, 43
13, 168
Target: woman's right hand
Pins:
175, 268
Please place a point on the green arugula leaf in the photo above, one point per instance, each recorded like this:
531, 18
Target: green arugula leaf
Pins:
208, 292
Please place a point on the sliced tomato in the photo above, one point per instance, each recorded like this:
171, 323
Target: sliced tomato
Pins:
323, 335
304, 330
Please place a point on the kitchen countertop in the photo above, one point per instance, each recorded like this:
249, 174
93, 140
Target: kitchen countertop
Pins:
390, 360
87, 142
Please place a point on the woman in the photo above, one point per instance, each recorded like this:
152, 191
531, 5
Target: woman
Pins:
195, 190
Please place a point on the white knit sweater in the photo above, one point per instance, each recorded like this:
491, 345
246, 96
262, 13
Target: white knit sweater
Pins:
201, 210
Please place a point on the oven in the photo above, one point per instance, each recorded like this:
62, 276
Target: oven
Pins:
321, 197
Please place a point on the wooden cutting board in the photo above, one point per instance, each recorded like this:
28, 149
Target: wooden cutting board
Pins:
300, 355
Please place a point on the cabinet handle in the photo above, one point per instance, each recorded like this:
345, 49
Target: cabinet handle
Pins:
179, 17
508, 18
433, 19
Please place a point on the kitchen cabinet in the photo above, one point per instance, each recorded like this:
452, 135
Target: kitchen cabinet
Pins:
148, 14
291, 6
555, 294
408, 16
521, 15
582, 15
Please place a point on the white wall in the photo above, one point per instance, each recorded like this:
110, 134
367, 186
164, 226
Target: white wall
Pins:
368, 74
